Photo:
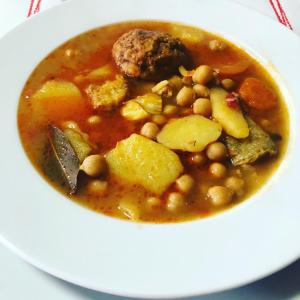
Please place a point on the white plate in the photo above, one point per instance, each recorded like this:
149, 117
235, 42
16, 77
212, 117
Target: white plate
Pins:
248, 242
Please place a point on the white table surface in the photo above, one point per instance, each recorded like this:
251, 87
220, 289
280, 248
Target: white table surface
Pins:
21, 281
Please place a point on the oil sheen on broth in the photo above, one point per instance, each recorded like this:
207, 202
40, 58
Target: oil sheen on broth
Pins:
198, 121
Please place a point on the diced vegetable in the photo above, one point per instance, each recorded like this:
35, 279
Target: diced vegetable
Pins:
192, 133
231, 119
133, 111
257, 94
151, 103
65, 158
96, 74
247, 151
233, 69
108, 95
187, 34
217, 45
129, 209
78, 142
145, 162
57, 89
101, 72
140, 107
163, 88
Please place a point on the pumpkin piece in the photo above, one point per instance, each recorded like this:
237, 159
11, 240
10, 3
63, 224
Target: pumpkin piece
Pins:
257, 94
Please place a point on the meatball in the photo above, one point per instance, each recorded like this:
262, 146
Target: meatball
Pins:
148, 54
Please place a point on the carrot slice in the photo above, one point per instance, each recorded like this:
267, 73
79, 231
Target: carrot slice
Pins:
257, 94
233, 69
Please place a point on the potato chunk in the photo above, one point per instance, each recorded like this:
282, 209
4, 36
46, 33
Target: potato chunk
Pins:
57, 89
192, 133
133, 111
231, 119
188, 34
108, 95
55, 101
96, 74
141, 161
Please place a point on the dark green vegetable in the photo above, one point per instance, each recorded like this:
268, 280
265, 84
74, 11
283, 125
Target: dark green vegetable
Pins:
66, 159
256, 145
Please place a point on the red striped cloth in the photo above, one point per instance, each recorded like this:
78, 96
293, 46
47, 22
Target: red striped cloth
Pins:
280, 13
34, 7
276, 7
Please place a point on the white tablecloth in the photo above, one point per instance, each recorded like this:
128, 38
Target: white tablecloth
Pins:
20, 281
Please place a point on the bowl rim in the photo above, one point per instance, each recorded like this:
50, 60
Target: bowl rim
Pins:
24, 246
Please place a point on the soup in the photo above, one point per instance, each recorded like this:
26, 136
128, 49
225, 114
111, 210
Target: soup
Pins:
153, 122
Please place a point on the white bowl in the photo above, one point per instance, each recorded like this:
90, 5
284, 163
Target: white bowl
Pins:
246, 243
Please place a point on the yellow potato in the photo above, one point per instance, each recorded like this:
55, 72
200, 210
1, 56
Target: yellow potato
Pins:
188, 34
57, 89
133, 111
96, 74
192, 133
141, 161
231, 119
56, 100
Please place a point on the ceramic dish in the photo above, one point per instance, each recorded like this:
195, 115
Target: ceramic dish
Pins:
248, 242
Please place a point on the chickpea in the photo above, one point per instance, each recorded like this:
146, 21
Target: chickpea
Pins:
219, 195
187, 80
174, 202
217, 170
203, 74
202, 106
94, 120
235, 184
201, 90
150, 130
265, 123
153, 202
69, 52
170, 110
216, 151
185, 97
228, 83
216, 45
97, 187
197, 159
70, 125
185, 183
159, 119
94, 165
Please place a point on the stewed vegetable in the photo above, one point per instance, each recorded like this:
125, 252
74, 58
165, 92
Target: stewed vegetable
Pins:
153, 121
